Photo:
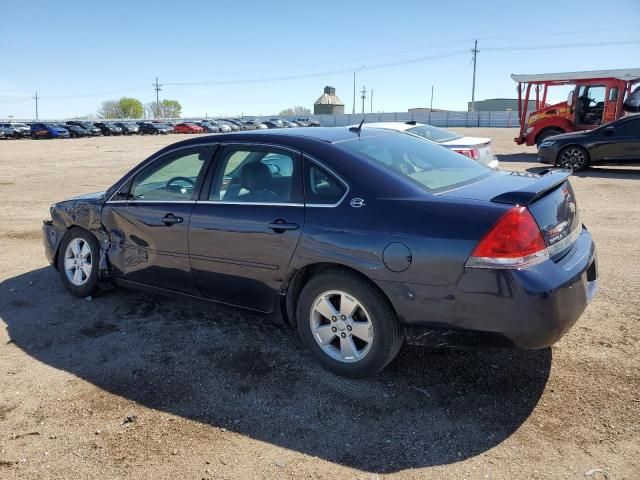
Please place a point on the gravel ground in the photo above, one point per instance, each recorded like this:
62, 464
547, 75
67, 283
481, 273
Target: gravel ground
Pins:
137, 386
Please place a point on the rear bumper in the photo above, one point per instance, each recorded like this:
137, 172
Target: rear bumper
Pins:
529, 308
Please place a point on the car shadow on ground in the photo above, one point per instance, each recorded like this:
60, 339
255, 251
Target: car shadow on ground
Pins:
228, 369
598, 171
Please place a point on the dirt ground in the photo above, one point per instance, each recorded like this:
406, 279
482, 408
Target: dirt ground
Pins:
137, 386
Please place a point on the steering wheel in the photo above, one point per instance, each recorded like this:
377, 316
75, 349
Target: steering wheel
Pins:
169, 185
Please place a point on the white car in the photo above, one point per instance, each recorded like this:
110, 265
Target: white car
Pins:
476, 148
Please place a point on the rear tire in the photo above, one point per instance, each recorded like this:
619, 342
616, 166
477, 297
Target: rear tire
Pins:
546, 134
361, 338
573, 158
78, 260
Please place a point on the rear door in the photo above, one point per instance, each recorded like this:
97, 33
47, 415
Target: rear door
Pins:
246, 225
148, 220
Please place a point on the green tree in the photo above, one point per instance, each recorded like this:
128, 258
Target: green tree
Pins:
130, 107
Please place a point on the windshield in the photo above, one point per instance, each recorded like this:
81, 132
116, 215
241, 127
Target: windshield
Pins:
431, 167
88, 125
434, 134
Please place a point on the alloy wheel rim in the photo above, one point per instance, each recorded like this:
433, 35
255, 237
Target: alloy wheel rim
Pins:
78, 261
572, 158
341, 326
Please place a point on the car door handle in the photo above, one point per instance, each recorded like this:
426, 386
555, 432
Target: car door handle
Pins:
280, 226
170, 219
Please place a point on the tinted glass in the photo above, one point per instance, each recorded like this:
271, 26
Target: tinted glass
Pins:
170, 179
433, 133
321, 187
629, 127
430, 166
255, 176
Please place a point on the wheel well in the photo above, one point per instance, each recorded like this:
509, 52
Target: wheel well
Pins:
547, 129
586, 152
302, 276
71, 227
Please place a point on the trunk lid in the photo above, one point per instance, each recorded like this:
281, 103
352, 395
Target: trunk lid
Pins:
548, 196
482, 144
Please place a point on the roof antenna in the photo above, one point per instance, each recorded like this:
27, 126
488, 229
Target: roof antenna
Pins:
358, 128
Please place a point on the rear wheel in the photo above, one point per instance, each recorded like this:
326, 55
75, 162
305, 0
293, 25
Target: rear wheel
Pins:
78, 262
348, 325
546, 134
573, 158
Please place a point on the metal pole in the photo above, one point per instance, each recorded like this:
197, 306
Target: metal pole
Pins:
431, 104
372, 100
364, 95
353, 112
157, 89
36, 99
473, 87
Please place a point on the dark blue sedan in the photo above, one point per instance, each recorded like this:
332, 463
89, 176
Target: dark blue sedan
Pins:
360, 237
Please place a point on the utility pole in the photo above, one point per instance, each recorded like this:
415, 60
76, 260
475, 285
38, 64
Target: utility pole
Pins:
372, 100
473, 87
364, 95
431, 104
353, 112
36, 99
156, 87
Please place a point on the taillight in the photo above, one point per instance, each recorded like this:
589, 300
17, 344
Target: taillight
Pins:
515, 241
472, 153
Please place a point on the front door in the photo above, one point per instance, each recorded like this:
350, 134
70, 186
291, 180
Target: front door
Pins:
589, 106
620, 141
246, 225
148, 221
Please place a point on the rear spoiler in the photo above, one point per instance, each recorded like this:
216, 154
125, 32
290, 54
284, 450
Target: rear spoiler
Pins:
548, 180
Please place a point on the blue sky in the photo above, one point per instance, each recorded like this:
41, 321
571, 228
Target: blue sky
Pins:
78, 54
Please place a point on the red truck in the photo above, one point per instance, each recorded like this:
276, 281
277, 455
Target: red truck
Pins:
598, 97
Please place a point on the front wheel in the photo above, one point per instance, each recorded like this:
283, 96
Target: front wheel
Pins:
78, 262
573, 158
348, 324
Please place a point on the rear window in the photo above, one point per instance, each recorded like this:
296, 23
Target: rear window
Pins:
425, 164
434, 134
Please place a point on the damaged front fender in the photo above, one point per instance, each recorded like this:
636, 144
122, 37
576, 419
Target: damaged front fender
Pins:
83, 212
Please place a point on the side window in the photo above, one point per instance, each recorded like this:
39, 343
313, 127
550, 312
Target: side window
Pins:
170, 179
257, 175
629, 127
321, 187
613, 94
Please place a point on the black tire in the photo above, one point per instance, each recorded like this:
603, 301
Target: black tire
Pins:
573, 158
387, 338
34, 136
91, 283
546, 134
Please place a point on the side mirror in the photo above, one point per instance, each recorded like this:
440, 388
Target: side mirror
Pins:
608, 131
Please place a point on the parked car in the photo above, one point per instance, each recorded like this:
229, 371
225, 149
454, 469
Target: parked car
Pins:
48, 130
88, 126
3, 133
305, 122
18, 130
149, 128
476, 148
207, 127
75, 131
187, 127
108, 128
289, 124
271, 124
253, 125
222, 127
128, 128
360, 237
232, 126
615, 142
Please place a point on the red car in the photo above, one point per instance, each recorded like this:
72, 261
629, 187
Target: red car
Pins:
187, 128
